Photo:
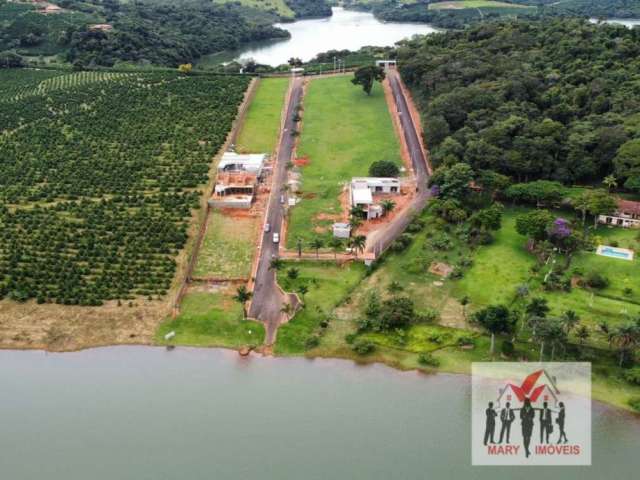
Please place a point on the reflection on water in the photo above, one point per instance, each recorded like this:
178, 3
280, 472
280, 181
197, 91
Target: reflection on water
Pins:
344, 30
147, 413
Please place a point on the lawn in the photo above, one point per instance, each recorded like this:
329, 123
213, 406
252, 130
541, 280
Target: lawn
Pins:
261, 129
344, 131
228, 247
211, 320
499, 267
329, 285
278, 6
462, 4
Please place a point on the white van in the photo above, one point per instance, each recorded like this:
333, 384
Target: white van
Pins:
276, 237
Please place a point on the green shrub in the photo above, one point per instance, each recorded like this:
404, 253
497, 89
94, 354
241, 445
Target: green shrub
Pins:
429, 360
465, 340
350, 338
312, 342
363, 347
596, 280
632, 375
383, 168
634, 403
507, 348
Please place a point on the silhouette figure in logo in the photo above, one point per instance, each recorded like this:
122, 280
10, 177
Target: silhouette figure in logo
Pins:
490, 428
506, 418
560, 422
546, 424
527, 416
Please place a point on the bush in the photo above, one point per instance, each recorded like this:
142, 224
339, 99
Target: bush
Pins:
634, 403
632, 376
401, 243
383, 168
507, 348
363, 347
350, 338
596, 280
465, 340
428, 360
312, 342
416, 226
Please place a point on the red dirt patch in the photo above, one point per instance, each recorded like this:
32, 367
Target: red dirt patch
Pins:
301, 162
309, 195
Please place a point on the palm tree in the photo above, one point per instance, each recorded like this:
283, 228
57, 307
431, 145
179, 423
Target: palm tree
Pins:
276, 264
582, 333
570, 319
354, 222
358, 243
388, 205
242, 296
357, 211
610, 182
626, 338
337, 246
394, 287
464, 301
293, 273
303, 290
317, 243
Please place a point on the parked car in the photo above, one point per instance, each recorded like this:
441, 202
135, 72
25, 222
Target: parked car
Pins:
267, 227
276, 237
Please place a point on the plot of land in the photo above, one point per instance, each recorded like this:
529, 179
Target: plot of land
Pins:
278, 6
344, 131
328, 285
228, 246
462, 4
211, 319
261, 128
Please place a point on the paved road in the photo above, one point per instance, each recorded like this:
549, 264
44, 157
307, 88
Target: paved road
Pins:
383, 238
267, 298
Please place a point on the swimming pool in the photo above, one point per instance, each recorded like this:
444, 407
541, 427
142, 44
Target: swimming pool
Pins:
615, 252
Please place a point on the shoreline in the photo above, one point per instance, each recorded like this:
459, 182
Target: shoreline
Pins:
356, 361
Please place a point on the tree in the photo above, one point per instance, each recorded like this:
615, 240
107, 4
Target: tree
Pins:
397, 312
394, 287
600, 203
570, 319
358, 243
626, 338
317, 243
627, 160
549, 331
454, 181
384, 168
303, 290
276, 264
495, 319
293, 273
337, 246
185, 68
464, 301
365, 76
535, 224
295, 62
388, 205
610, 182
242, 296
583, 334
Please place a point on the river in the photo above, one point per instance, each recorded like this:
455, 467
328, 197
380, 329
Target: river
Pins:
148, 413
346, 29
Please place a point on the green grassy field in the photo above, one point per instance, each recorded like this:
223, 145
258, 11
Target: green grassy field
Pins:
211, 320
261, 128
498, 268
278, 6
228, 247
462, 4
329, 285
344, 131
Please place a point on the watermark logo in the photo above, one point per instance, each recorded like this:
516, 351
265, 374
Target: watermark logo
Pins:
531, 413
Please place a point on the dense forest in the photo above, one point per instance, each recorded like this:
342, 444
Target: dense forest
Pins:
143, 32
425, 11
309, 8
551, 99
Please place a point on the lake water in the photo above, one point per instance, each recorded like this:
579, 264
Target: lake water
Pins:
346, 29
629, 22
147, 413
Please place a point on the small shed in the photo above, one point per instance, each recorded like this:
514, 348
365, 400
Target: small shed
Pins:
341, 230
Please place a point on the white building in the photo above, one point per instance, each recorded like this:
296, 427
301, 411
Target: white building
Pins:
341, 230
236, 162
363, 190
627, 215
386, 63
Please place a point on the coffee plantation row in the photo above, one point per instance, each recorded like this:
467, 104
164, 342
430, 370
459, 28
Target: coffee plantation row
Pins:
98, 178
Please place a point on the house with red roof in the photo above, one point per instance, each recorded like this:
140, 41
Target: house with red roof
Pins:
627, 215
